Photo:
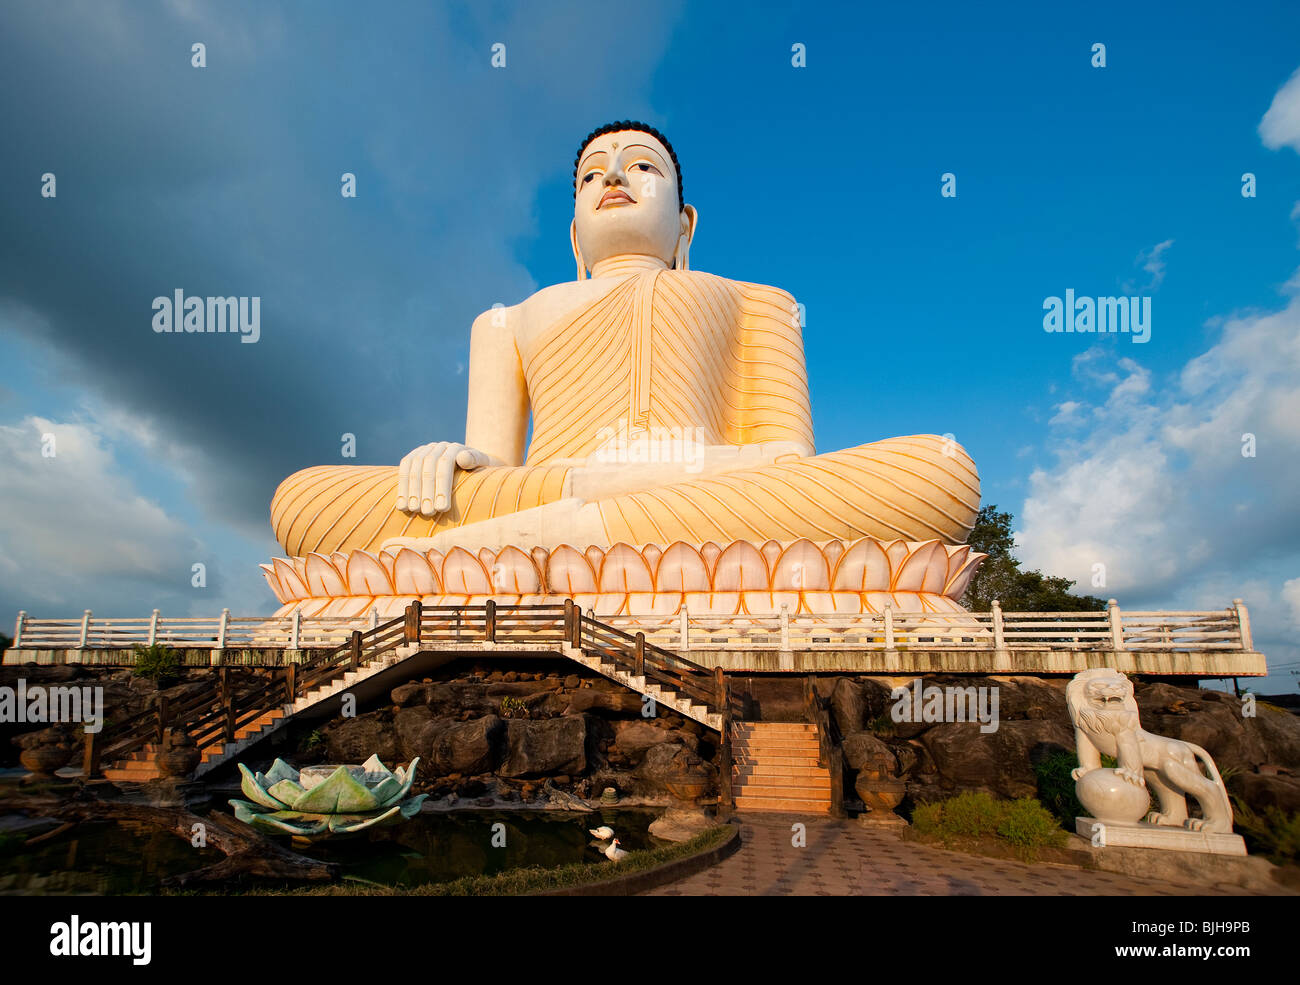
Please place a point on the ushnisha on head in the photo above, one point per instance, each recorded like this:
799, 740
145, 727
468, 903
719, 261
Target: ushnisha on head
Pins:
628, 198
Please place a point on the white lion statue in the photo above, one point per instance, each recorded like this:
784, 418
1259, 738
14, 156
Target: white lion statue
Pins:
1105, 718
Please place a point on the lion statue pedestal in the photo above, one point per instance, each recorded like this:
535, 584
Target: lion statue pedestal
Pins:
1105, 718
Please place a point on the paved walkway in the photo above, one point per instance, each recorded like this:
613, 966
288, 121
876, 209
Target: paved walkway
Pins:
842, 858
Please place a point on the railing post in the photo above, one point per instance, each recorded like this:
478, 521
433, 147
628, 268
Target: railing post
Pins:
227, 703
785, 627
295, 631
889, 625
1243, 624
355, 648
638, 656
374, 617
685, 631
90, 757
291, 682
1116, 626
414, 616
153, 628
160, 730
568, 621
18, 629
723, 691
1001, 658
490, 621
222, 629
85, 629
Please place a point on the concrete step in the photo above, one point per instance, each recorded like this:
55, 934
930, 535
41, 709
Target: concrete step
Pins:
774, 728
769, 769
808, 784
749, 802
763, 749
778, 762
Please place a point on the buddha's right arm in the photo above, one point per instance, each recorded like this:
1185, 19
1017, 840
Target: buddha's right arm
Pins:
495, 426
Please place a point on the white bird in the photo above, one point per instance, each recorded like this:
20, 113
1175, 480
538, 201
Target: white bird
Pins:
613, 852
603, 833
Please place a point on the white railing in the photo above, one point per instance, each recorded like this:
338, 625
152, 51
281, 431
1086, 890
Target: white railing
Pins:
997, 631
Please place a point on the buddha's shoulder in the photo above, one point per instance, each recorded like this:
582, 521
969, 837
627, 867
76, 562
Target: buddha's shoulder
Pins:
746, 293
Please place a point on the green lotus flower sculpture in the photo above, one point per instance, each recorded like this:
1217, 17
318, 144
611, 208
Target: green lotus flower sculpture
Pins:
327, 800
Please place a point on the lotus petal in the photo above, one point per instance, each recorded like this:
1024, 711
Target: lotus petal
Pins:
293, 586
255, 792
863, 568
366, 576
464, 574
741, 568
268, 572
924, 570
681, 569
802, 568
323, 579
280, 770
343, 824
515, 573
340, 793
373, 765
624, 570
568, 572
287, 792
412, 574
387, 791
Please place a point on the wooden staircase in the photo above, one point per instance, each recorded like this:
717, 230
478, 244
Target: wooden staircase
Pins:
775, 768
224, 725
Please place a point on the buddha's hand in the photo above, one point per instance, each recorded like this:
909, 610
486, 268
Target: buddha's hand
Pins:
425, 476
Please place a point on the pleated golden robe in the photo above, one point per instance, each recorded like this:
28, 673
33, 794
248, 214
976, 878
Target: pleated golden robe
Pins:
678, 352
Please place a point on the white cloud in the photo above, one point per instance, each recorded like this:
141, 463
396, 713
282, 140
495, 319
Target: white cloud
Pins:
1291, 596
1153, 262
1158, 488
1280, 126
75, 521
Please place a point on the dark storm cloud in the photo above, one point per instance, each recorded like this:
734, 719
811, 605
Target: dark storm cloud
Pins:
225, 181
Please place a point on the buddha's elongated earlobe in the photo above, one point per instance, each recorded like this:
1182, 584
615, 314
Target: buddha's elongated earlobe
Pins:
577, 253
682, 255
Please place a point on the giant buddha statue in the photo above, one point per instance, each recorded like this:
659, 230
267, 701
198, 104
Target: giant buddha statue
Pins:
667, 407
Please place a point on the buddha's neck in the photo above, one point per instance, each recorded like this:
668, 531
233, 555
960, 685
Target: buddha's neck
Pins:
627, 263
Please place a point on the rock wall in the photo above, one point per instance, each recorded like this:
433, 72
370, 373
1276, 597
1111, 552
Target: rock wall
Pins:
1259, 756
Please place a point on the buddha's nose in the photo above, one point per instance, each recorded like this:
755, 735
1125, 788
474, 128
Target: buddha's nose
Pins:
615, 175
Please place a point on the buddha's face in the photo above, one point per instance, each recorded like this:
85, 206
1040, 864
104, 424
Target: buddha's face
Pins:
627, 199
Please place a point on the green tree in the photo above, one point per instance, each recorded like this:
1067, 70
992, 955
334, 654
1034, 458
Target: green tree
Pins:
1000, 577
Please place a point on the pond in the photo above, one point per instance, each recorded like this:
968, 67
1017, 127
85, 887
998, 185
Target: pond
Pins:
120, 858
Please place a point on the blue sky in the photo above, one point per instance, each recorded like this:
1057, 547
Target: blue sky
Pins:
924, 313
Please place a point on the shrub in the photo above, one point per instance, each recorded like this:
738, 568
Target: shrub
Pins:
1056, 785
158, 662
1275, 834
1023, 824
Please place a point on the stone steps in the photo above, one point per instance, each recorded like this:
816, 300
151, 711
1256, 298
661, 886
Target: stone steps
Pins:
775, 768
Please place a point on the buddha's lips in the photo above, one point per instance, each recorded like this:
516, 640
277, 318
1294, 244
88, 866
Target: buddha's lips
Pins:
615, 195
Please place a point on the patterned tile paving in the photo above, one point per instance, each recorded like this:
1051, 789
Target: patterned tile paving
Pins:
843, 858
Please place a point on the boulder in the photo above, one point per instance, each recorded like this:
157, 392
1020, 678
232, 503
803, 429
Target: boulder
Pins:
1261, 791
621, 702
354, 740
466, 747
668, 762
537, 748
998, 762
677, 824
634, 738
408, 725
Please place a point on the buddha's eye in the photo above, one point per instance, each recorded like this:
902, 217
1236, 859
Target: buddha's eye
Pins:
588, 176
647, 166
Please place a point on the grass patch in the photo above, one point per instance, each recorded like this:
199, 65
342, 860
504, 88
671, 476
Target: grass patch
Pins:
520, 882
1024, 825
